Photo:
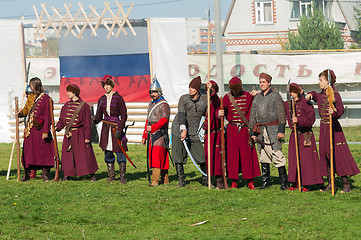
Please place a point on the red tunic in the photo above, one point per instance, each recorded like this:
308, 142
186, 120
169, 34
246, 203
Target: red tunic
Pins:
344, 162
215, 137
80, 160
118, 114
310, 166
241, 156
158, 119
38, 152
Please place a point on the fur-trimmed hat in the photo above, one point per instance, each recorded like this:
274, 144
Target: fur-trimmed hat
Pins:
235, 84
214, 86
74, 89
107, 80
325, 74
196, 83
266, 76
294, 87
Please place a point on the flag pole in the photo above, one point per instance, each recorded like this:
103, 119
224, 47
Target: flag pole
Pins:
209, 104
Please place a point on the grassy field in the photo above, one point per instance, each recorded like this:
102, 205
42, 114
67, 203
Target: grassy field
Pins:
80, 209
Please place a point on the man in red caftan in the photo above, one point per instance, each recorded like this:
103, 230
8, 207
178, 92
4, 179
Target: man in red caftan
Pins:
215, 136
241, 152
344, 163
38, 148
304, 118
77, 156
157, 125
111, 107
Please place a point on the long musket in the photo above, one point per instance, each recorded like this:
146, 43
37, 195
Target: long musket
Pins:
56, 157
113, 126
296, 145
330, 98
223, 149
209, 104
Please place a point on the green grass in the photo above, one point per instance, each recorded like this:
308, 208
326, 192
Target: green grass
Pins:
80, 209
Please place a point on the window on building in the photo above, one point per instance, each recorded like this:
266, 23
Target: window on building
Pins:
304, 7
264, 13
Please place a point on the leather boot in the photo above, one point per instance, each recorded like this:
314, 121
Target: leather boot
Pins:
180, 173
346, 185
234, 183
45, 174
66, 178
122, 172
219, 182
26, 175
329, 186
283, 177
164, 177
93, 178
32, 174
204, 178
111, 174
266, 176
155, 177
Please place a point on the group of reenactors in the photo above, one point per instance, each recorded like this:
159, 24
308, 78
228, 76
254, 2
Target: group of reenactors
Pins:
256, 119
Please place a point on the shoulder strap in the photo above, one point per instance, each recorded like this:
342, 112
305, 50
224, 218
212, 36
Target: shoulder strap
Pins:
239, 111
77, 110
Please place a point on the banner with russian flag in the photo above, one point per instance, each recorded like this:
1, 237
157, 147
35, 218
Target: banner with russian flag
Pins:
85, 61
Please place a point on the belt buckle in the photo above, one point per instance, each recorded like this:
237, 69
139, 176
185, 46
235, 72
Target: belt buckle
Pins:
239, 127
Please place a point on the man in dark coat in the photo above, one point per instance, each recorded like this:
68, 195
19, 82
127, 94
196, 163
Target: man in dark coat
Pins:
77, 156
241, 151
267, 127
344, 163
38, 148
157, 126
111, 107
304, 118
191, 108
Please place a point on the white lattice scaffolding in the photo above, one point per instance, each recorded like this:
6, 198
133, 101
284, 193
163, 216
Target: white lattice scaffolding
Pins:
78, 22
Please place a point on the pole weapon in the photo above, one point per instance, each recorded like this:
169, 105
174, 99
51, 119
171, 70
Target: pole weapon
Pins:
223, 150
296, 145
56, 156
191, 157
330, 97
209, 104
148, 171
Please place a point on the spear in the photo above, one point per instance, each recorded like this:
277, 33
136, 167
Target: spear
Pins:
17, 135
223, 149
330, 97
296, 145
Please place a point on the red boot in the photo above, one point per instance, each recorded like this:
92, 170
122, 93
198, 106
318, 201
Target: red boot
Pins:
234, 184
32, 174
250, 184
293, 187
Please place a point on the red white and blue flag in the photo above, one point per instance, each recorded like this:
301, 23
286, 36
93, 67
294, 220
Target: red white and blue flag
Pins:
85, 62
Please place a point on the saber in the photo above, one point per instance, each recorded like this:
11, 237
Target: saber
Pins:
113, 126
190, 155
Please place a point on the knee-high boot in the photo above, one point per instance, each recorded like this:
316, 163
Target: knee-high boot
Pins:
155, 177
283, 177
346, 184
180, 172
26, 175
266, 175
111, 174
164, 176
204, 178
122, 172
